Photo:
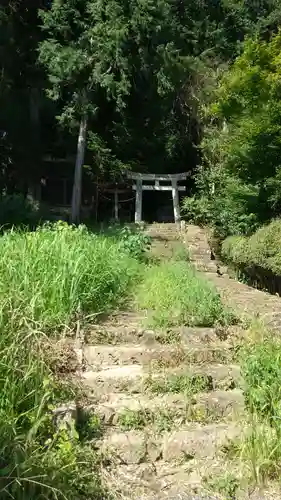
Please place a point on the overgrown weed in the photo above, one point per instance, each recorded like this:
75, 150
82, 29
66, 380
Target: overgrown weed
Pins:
261, 370
179, 384
49, 279
162, 419
173, 293
226, 484
39, 460
51, 276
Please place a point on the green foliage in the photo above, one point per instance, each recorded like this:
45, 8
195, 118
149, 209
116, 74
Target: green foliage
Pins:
102, 67
57, 272
49, 278
180, 384
239, 187
174, 293
262, 374
83, 51
16, 210
89, 427
223, 202
135, 241
38, 459
262, 249
80, 477
162, 419
152, 57
226, 484
134, 419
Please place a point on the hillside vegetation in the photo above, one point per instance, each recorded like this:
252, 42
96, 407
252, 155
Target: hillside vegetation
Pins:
262, 249
51, 279
239, 182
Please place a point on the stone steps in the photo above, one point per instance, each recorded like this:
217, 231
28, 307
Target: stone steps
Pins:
134, 378
248, 301
191, 442
168, 401
160, 480
169, 410
99, 356
143, 464
124, 333
181, 481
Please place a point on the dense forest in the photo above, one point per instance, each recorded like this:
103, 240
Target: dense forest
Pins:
153, 86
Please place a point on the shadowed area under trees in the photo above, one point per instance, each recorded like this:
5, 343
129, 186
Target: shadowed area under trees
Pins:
140, 72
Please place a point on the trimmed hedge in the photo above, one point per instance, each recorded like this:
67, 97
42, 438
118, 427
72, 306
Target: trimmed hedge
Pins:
258, 256
262, 249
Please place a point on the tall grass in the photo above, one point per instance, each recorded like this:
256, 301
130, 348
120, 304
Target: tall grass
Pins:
173, 293
37, 460
50, 275
48, 278
261, 369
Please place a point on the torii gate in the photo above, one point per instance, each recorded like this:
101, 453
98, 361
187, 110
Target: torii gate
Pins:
154, 185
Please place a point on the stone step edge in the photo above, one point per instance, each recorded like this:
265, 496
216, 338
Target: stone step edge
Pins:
200, 407
191, 442
137, 371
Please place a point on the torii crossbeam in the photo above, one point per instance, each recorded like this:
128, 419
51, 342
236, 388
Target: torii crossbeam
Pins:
155, 183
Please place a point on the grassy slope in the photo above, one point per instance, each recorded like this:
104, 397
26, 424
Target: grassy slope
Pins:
262, 249
48, 278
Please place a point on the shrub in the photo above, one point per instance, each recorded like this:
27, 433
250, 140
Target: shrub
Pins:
176, 294
16, 210
135, 241
262, 249
228, 210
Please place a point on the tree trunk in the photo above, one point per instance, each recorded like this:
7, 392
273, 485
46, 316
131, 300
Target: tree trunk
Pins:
34, 100
77, 185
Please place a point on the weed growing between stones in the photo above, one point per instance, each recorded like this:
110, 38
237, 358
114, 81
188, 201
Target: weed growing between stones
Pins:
173, 293
225, 484
185, 384
166, 418
161, 419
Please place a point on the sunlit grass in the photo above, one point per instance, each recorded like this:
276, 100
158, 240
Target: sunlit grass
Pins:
49, 279
51, 276
173, 293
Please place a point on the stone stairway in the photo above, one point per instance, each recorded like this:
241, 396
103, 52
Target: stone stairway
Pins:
248, 301
167, 410
169, 402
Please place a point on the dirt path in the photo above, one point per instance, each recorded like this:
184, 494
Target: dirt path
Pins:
169, 410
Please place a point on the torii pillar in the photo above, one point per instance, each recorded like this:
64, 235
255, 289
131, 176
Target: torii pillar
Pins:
155, 185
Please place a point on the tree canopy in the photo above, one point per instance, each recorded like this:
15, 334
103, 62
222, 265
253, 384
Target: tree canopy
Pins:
144, 72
